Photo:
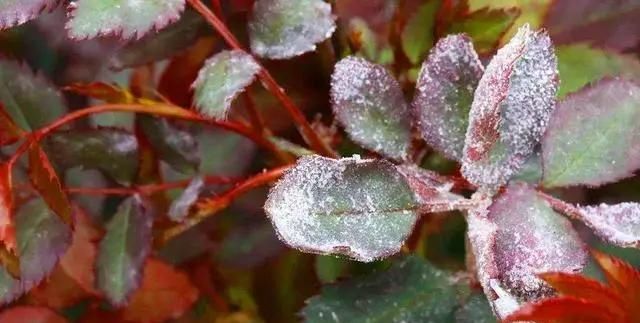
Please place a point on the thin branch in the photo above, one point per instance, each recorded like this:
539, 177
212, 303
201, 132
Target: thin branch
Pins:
307, 132
213, 205
147, 189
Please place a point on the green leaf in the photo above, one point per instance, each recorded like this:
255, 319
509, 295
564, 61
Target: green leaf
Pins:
511, 108
444, 93
164, 44
417, 35
410, 291
42, 238
486, 27
363, 209
123, 250
17, 12
221, 79
175, 146
580, 64
369, 103
28, 98
111, 150
476, 309
281, 29
594, 136
124, 18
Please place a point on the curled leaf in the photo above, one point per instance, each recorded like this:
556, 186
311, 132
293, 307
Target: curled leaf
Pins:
124, 18
511, 108
369, 103
360, 208
281, 29
221, 79
444, 93
594, 136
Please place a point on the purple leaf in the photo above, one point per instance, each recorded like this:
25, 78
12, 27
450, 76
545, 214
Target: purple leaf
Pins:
123, 250
610, 24
17, 12
618, 224
594, 136
363, 209
444, 93
369, 103
511, 108
124, 18
517, 237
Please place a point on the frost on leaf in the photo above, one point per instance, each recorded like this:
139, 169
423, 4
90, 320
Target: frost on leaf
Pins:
123, 250
281, 29
363, 209
594, 136
179, 208
516, 238
17, 12
369, 103
444, 93
618, 224
432, 190
221, 79
125, 18
511, 108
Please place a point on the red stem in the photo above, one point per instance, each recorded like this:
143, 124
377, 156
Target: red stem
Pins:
211, 206
309, 135
145, 189
562, 206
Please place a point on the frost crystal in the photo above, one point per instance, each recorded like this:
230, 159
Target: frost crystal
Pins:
511, 108
127, 18
444, 93
282, 29
17, 12
618, 224
223, 77
369, 103
360, 208
432, 190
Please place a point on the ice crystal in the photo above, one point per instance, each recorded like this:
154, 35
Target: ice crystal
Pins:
618, 224
369, 103
360, 208
223, 77
510, 109
286, 28
444, 93
17, 12
432, 190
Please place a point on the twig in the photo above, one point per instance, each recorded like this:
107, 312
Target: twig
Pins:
147, 189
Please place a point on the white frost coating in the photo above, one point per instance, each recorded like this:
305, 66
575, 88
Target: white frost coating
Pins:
369, 103
179, 208
222, 78
432, 190
280, 29
360, 208
511, 108
617, 224
127, 18
444, 91
17, 12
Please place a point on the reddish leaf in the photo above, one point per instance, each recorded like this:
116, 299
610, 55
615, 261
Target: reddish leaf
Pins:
9, 132
46, 181
102, 91
444, 93
611, 23
165, 294
618, 224
623, 278
31, 314
7, 230
432, 191
582, 287
511, 108
563, 310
